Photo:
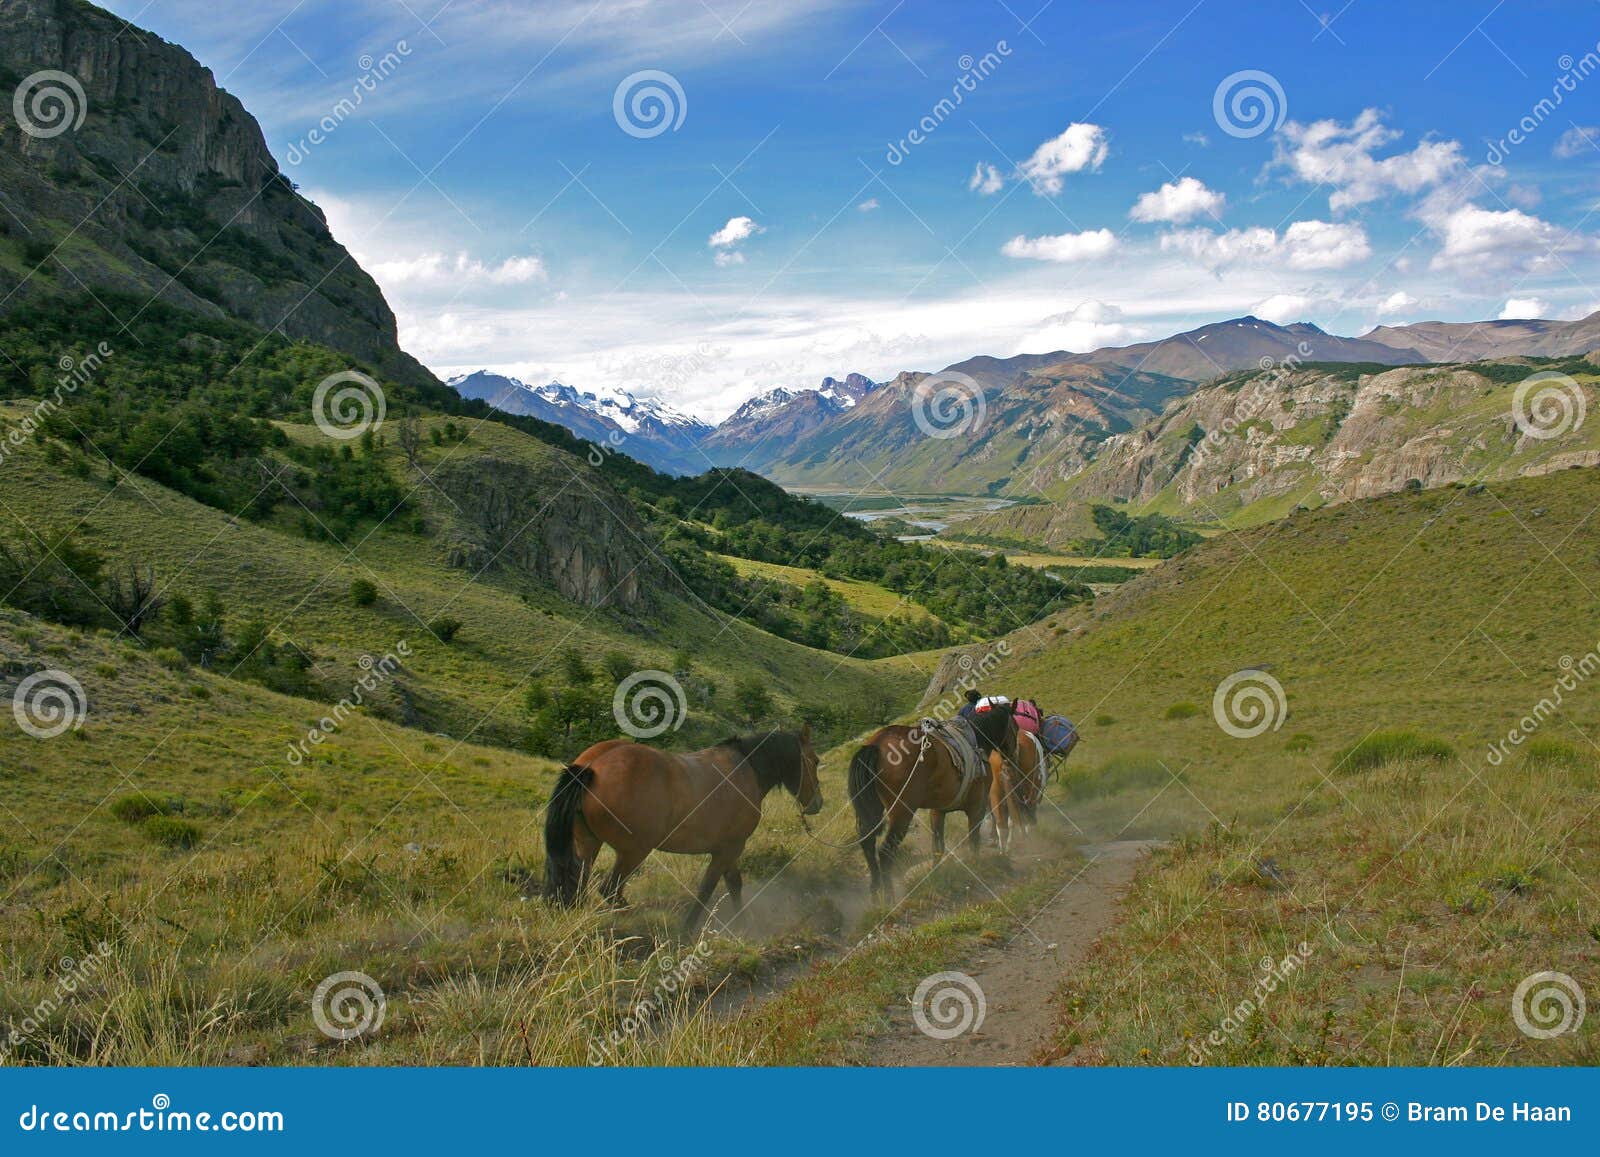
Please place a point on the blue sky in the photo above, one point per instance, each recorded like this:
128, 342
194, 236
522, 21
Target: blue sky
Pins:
1096, 183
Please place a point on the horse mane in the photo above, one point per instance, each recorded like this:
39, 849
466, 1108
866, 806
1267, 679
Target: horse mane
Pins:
773, 755
992, 726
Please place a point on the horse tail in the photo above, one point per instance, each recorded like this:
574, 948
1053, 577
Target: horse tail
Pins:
864, 790
562, 870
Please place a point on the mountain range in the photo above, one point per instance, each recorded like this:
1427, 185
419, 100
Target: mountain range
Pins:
1056, 408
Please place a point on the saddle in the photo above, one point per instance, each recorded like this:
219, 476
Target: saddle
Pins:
960, 739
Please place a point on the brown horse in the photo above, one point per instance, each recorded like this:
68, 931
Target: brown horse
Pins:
637, 799
1017, 788
899, 771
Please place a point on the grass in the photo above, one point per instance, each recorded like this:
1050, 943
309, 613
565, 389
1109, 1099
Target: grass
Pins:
874, 601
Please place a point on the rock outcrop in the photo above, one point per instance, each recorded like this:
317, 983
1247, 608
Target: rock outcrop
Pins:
165, 190
511, 518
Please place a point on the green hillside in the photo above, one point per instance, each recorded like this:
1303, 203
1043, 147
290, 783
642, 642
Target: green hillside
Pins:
1409, 634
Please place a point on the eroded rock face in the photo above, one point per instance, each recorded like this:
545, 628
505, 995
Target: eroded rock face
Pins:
551, 524
1326, 437
167, 190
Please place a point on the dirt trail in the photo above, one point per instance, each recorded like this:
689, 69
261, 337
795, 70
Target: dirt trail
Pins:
1018, 978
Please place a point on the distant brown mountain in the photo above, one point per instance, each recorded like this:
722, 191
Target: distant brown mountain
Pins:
1470, 341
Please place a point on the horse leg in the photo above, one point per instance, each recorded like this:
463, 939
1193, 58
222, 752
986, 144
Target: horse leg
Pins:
628, 862
721, 865
587, 848
899, 823
977, 812
936, 825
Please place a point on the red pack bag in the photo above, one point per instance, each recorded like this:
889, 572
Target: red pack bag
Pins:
1026, 713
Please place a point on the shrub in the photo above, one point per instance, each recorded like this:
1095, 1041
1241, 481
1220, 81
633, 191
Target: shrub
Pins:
1182, 711
172, 833
1117, 774
363, 593
1385, 747
170, 657
445, 629
132, 809
1104, 720
1552, 753
1297, 743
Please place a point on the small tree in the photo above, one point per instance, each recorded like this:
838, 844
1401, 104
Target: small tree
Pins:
132, 596
618, 666
410, 440
751, 699
363, 593
445, 628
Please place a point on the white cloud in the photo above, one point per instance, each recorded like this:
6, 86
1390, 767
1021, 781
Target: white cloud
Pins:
1327, 152
1519, 308
1283, 308
868, 205
1087, 326
1197, 139
1324, 245
726, 257
458, 271
1178, 201
1577, 141
1081, 146
1397, 302
1482, 240
1086, 246
736, 230
1303, 245
986, 179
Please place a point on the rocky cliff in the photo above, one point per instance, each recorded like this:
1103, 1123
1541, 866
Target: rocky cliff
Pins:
124, 168
509, 517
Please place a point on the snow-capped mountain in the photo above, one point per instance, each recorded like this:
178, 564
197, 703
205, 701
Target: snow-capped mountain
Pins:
643, 428
780, 417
